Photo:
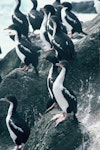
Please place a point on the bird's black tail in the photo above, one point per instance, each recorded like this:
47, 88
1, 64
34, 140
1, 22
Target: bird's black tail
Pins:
75, 118
84, 33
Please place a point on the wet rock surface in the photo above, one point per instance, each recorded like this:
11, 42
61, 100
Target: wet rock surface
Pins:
84, 7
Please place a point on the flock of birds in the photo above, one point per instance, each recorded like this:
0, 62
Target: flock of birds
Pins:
56, 23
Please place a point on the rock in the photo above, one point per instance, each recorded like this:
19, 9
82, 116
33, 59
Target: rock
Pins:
7, 64
84, 7
93, 26
0, 79
45, 136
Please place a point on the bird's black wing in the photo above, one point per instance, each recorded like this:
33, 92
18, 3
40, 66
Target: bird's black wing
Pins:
24, 50
46, 37
72, 19
50, 85
65, 47
20, 18
35, 19
33, 48
19, 127
71, 99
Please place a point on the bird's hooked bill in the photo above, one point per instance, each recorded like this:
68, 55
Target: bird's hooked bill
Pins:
6, 28
3, 99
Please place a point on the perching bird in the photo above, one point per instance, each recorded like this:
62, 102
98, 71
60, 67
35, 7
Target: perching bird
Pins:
20, 19
48, 10
65, 98
53, 73
70, 20
35, 16
17, 127
28, 53
62, 44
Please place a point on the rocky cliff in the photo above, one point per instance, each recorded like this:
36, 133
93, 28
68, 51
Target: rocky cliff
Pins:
84, 7
83, 78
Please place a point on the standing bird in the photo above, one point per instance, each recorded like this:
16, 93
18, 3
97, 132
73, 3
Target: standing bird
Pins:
48, 11
35, 17
20, 19
53, 73
70, 20
27, 52
62, 44
17, 127
65, 98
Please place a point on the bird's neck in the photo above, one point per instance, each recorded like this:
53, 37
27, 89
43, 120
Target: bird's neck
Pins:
61, 76
11, 110
44, 22
49, 14
18, 3
17, 38
34, 5
63, 12
53, 70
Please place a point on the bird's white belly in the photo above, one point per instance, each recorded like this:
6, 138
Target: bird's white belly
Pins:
12, 134
20, 55
68, 26
62, 102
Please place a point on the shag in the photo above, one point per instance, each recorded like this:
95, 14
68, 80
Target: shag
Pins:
48, 10
17, 127
20, 19
28, 53
62, 44
65, 98
70, 20
35, 16
53, 73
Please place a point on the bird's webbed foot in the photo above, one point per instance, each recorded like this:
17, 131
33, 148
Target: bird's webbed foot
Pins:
18, 147
60, 117
51, 107
25, 68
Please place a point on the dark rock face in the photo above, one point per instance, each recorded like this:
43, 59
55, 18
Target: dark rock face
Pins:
93, 27
83, 78
0, 78
84, 7
7, 64
67, 135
